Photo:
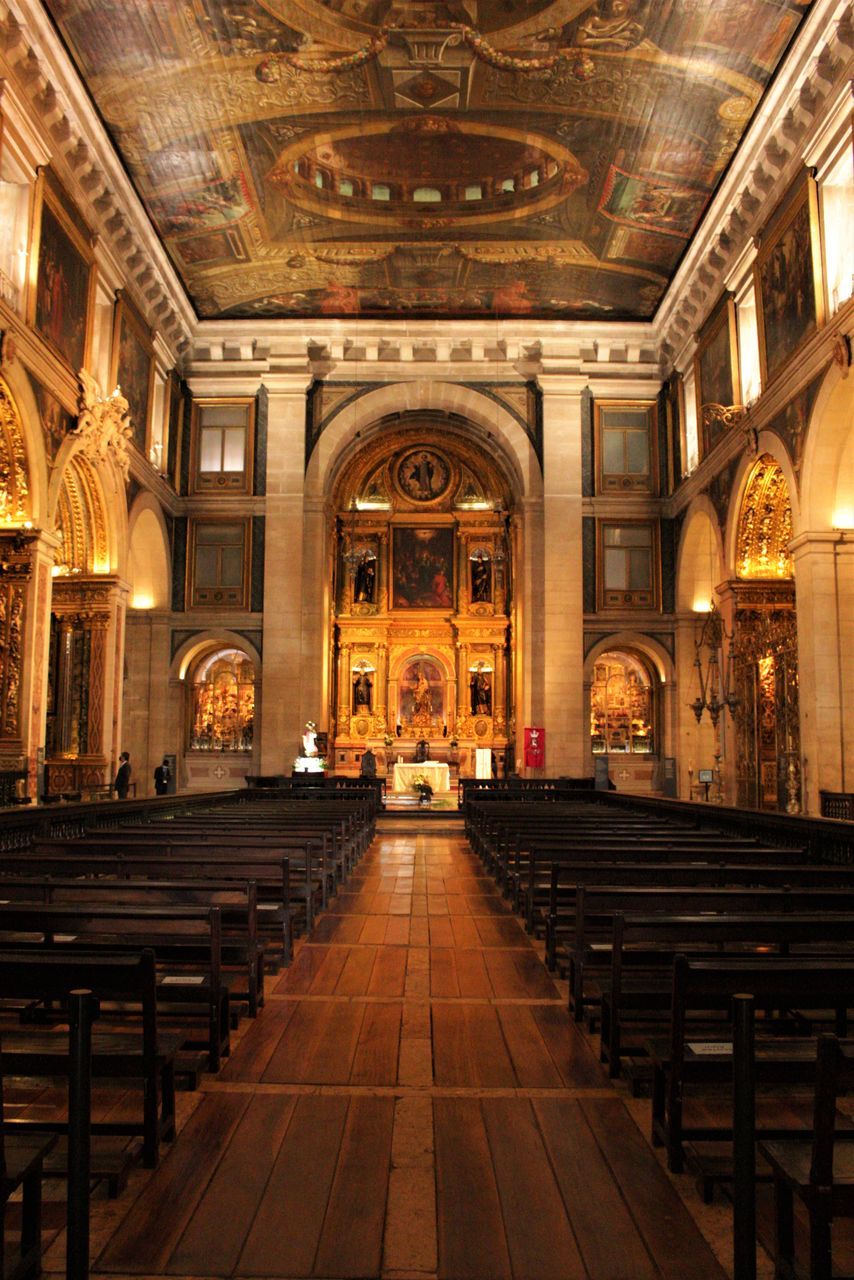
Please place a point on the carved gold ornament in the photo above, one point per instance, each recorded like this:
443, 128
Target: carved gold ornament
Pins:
765, 524
14, 481
103, 424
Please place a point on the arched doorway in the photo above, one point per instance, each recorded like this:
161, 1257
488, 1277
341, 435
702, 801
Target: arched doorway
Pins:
421, 600
764, 650
221, 693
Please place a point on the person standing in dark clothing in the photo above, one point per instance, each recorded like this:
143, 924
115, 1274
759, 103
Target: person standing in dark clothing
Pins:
161, 778
122, 782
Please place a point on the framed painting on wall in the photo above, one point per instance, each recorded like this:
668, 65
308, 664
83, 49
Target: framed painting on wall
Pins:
422, 575
62, 303
716, 375
788, 279
132, 367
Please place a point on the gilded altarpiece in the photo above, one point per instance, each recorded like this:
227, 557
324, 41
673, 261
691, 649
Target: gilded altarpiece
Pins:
15, 575
421, 620
764, 652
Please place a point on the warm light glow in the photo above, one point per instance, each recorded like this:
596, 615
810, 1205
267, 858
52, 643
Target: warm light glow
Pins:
702, 605
142, 602
101, 566
843, 518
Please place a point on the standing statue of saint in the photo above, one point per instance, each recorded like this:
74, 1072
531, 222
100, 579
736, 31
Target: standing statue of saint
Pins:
362, 688
365, 581
481, 694
422, 699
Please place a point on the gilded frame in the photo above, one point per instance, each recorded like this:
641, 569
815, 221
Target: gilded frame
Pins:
717, 375
779, 294
62, 274
132, 368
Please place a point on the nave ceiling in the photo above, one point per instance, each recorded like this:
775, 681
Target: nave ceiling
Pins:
362, 158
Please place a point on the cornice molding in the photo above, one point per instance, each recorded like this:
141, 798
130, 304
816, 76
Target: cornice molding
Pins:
63, 119
808, 90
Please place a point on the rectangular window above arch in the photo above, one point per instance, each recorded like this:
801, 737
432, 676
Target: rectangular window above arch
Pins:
219, 564
223, 433
628, 559
625, 446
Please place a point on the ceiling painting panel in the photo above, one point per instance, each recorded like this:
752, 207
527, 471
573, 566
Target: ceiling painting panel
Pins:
478, 158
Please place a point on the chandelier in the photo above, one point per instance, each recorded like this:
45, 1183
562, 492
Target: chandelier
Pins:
713, 669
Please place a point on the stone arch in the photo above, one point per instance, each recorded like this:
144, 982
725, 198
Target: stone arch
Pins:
655, 654
490, 419
827, 498
206, 641
700, 563
148, 566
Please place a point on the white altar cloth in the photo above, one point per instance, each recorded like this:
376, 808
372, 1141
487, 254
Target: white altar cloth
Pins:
436, 773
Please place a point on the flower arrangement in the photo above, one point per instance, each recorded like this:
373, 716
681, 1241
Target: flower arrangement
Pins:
388, 740
422, 788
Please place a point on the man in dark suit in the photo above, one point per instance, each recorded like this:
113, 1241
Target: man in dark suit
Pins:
161, 778
122, 782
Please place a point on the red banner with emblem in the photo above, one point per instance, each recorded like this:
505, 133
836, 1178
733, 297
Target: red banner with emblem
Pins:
535, 748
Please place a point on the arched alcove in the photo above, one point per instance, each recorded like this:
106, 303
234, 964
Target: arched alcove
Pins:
700, 563
764, 650
148, 568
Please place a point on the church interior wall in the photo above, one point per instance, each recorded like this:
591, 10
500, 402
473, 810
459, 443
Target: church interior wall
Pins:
803, 417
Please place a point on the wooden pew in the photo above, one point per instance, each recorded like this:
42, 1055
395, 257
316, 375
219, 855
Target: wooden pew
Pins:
818, 1171
643, 949
597, 904
137, 1051
703, 988
22, 1159
187, 941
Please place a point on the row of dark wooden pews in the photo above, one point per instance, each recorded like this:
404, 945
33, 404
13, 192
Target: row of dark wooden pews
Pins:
169, 923
659, 917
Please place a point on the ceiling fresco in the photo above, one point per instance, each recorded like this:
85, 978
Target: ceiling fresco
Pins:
365, 158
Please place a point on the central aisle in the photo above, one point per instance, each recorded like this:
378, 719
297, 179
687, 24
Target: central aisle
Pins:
413, 1101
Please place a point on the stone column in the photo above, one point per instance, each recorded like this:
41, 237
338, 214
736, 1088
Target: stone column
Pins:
154, 711
561, 709
824, 577
291, 669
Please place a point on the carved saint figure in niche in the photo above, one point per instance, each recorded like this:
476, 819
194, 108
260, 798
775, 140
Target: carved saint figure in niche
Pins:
481, 580
422, 698
362, 690
481, 694
364, 582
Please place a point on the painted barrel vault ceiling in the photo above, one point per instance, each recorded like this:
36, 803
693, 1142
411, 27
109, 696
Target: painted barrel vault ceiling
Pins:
362, 158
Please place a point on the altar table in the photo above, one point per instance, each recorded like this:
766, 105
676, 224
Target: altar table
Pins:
436, 773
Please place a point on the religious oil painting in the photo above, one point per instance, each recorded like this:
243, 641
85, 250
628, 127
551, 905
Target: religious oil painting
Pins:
422, 568
788, 280
716, 370
55, 419
133, 368
423, 475
62, 290
541, 158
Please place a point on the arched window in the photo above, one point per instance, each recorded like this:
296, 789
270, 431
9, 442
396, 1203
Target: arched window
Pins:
622, 710
222, 716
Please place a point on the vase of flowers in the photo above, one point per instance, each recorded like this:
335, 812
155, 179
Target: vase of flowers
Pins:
422, 788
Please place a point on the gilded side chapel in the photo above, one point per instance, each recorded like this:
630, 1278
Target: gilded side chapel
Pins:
385, 369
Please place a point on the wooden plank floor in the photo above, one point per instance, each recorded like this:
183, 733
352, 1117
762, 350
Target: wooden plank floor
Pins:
412, 1102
